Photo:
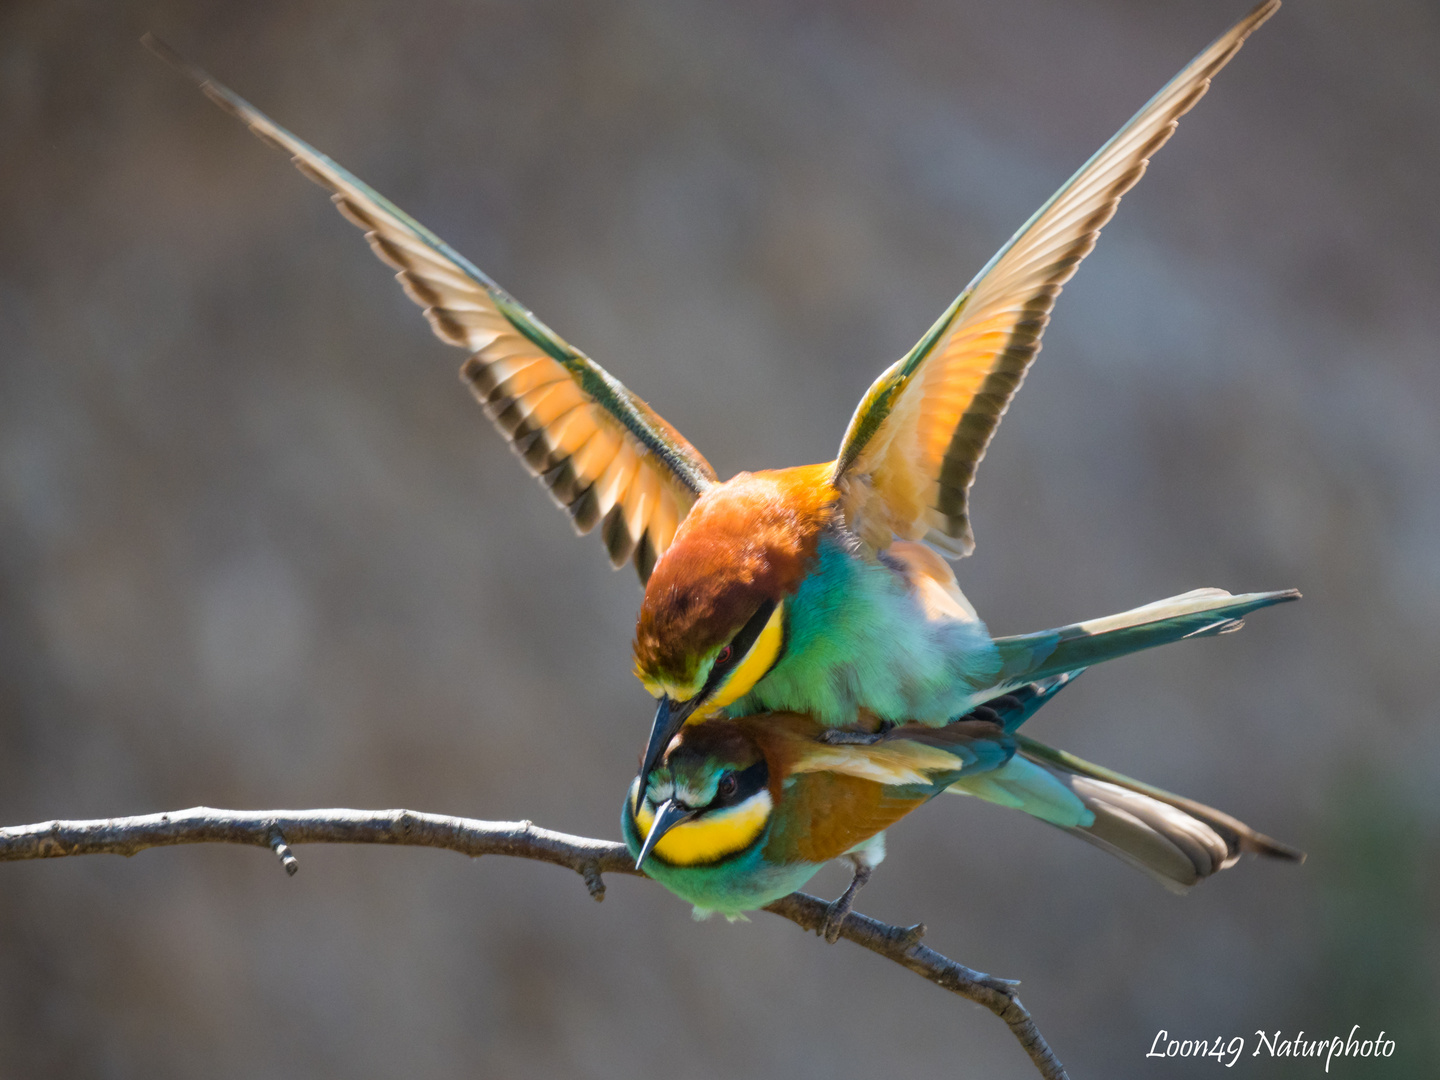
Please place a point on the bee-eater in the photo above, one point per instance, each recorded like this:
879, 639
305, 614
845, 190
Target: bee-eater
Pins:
815, 589
739, 812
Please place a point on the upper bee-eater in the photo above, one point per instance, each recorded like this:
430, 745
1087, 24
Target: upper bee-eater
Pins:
816, 589
739, 812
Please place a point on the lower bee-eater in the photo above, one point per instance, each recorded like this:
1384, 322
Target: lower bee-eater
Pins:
739, 812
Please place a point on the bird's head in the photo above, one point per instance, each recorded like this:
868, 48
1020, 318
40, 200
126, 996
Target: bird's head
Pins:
706, 800
713, 620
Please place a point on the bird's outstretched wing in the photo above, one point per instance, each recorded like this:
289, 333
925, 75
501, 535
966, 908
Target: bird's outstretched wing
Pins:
909, 455
604, 455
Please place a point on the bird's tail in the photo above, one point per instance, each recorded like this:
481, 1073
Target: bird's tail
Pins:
1013, 708
1175, 840
1028, 658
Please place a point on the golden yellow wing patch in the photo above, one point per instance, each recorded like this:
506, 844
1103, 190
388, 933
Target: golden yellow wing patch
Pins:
910, 453
898, 763
604, 455
826, 814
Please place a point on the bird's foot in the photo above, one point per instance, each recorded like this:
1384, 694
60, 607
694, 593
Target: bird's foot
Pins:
841, 737
839, 909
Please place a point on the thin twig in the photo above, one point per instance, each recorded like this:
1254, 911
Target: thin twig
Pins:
278, 829
283, 852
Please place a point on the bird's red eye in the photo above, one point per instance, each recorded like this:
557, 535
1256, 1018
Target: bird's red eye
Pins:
726, 787
724, 655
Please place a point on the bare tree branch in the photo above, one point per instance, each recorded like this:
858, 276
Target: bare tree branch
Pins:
278, 829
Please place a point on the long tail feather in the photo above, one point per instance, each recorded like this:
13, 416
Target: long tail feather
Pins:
1012, 709
1027, 658
1175, 840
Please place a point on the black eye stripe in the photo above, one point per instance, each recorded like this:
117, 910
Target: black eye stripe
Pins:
740, 644
747, 783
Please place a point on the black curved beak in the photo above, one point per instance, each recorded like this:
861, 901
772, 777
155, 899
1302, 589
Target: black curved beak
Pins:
669, 719
667, 816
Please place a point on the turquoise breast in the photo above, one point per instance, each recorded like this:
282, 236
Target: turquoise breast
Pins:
857, 638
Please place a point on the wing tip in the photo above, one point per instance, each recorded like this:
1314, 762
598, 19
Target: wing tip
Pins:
1260, 13
165, 52
196, 74
1256, 843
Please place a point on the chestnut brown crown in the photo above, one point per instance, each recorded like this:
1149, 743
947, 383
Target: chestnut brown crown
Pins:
749, 540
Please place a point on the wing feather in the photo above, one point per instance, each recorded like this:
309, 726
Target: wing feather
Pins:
909, 455
580, 422
912, 755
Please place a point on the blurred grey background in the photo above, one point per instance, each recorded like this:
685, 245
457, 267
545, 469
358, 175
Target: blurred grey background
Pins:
259, 548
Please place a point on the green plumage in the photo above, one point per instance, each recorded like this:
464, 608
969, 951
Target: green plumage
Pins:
856, 640
1174, 840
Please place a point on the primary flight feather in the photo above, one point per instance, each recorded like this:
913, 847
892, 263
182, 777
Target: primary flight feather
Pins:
604, 455
909, 456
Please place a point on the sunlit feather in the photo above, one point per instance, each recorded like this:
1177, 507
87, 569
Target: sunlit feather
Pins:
909, 455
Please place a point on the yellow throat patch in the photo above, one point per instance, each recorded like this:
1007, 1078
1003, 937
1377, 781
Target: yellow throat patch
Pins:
711, 836
752, 668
